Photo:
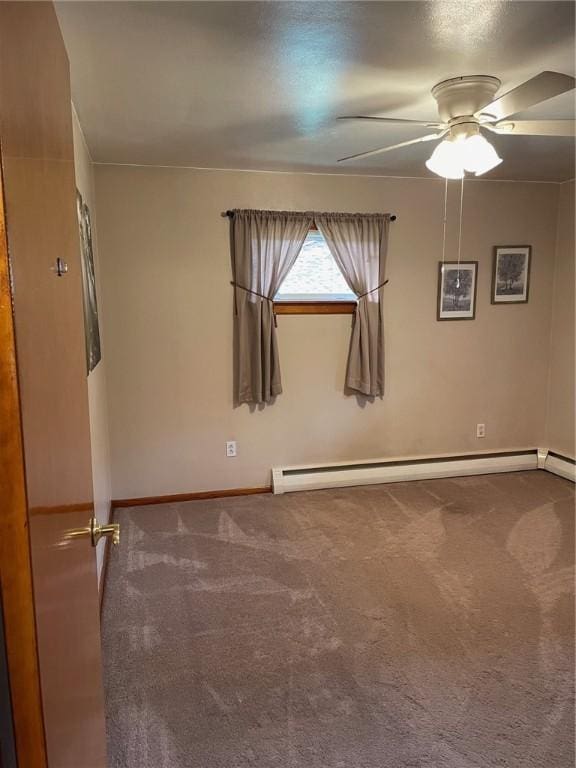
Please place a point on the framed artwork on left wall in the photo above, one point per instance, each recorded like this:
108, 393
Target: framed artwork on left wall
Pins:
457, 290
91, 325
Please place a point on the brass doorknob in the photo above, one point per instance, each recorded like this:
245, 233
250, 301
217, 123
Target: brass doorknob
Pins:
96, 531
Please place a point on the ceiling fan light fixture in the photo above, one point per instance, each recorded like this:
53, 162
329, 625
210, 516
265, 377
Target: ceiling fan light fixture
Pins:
478, 155
452, 157
469, 104
446, 160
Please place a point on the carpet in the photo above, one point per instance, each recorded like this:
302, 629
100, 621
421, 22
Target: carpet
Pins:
413, 625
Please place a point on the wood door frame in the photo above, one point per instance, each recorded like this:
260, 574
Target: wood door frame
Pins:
16, 592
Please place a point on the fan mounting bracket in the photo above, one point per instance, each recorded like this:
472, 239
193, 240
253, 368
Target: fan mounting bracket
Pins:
464, 96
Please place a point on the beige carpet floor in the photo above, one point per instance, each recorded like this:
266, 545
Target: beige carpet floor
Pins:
415, 625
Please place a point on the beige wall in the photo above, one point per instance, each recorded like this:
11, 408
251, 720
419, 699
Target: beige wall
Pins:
165, 271
99, 437
561, 417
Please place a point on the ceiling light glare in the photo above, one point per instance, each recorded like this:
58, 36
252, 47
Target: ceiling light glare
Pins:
478, 155
446, 161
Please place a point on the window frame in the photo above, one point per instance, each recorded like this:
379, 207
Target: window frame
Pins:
315, 306
325, 307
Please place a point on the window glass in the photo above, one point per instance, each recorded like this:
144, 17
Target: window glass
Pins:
315, 275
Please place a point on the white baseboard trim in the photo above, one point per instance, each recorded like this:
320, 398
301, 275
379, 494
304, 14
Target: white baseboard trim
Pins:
560, 465
375, 471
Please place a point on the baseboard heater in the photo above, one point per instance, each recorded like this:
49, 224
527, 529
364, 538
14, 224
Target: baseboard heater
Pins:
307, 478
558, 464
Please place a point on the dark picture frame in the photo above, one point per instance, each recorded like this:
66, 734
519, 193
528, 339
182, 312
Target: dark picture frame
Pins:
511, 274
457, 289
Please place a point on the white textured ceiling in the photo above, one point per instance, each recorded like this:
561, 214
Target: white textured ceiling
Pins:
259, 84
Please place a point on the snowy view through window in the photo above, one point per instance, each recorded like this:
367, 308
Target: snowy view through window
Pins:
315, 275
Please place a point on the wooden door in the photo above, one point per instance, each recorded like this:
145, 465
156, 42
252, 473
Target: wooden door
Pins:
41, 226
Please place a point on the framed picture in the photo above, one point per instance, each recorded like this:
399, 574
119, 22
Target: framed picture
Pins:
91, 326
511, 274
457, 290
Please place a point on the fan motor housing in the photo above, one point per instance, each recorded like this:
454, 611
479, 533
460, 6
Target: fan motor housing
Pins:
464, 96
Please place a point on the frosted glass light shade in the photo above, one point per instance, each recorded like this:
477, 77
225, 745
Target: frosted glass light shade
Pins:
452, 157
479, 156
446, 161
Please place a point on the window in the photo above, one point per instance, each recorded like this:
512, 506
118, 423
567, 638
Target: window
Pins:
315, 283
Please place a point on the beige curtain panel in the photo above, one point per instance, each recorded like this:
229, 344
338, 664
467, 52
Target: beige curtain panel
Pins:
359, 244
264, 246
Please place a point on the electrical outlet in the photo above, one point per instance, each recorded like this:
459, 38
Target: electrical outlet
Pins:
231, 448
480, 430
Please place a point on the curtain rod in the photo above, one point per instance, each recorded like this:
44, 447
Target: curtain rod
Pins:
229, 214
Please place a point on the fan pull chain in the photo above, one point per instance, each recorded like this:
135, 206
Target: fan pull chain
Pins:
460, 231
444, 224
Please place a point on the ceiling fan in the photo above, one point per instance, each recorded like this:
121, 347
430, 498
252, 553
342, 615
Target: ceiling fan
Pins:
467, 107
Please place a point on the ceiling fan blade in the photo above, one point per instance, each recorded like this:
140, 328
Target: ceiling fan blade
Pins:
540, 88
535, 127
428, 137
397, 120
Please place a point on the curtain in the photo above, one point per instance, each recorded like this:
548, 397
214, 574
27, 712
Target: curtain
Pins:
359, 243
264, 247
